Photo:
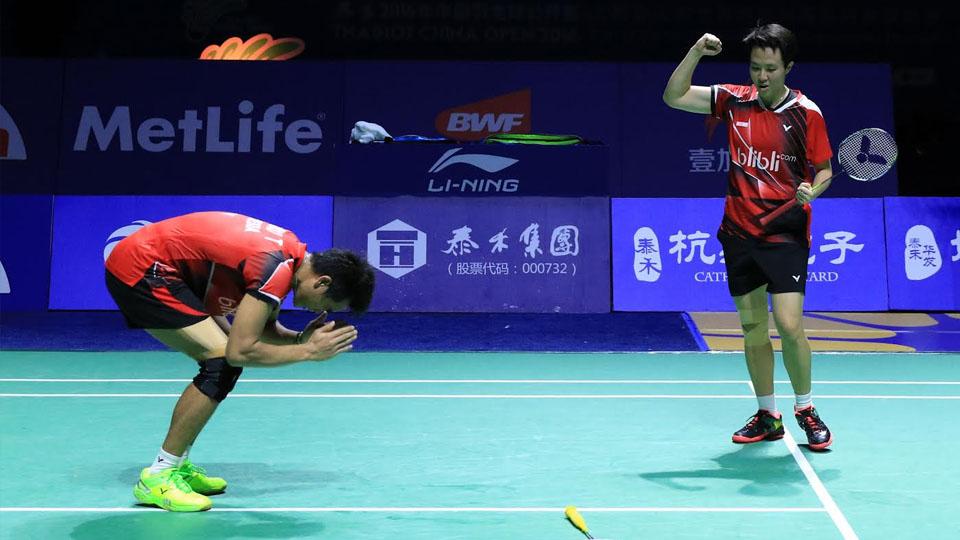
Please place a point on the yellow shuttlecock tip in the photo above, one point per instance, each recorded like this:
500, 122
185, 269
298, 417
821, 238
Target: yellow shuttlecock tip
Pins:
574, 516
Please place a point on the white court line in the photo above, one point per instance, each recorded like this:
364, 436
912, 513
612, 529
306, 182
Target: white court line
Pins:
482, 381
825, 499
468, 396
429, 509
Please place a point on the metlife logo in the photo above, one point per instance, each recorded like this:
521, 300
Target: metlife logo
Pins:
476, 183
254, 130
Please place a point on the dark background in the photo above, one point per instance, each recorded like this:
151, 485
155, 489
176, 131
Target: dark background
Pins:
915, 38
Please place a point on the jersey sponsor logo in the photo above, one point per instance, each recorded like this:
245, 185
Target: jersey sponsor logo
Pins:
11, 143
121, 233
4, 282
464, 184
396, 249
196, 131
509, 113
228, 306
769, 162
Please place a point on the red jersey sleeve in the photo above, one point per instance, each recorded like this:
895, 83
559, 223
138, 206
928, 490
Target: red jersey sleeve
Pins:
818, 143
269, 276
722, 95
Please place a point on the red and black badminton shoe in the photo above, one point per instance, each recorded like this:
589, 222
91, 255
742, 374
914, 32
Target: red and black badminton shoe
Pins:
762, 426
818, 435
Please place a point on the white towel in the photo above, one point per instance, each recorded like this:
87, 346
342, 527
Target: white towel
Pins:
367, 132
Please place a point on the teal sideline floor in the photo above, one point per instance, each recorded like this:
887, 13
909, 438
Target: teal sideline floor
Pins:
484, 446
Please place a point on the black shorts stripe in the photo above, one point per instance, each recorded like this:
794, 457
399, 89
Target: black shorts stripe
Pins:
142, 309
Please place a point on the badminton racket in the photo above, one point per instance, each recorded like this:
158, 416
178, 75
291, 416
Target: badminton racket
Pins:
865, 155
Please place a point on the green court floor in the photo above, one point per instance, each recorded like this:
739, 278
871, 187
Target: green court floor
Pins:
484, 446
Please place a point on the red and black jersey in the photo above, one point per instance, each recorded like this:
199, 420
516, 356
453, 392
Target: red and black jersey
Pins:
771, 153
219, 255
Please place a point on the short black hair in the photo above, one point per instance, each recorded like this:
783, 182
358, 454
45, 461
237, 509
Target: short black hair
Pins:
353, 277
773, 36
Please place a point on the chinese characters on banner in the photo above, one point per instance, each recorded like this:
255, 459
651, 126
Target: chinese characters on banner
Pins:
666, 256
923, 252
531, 254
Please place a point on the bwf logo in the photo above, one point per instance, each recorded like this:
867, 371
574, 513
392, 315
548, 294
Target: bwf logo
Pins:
509, 113
396, 249
11, 143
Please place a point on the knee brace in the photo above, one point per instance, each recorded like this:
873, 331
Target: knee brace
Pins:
216, 378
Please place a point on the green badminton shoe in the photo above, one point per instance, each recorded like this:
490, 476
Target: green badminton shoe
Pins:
198, 480
168, 490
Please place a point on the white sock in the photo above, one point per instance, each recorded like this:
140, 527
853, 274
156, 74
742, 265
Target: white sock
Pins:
804, 401
186, 453
768, 403
164, 461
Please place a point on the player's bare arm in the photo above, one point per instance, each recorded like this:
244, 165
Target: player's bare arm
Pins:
821, 181
247, 346
276, 333
679, 93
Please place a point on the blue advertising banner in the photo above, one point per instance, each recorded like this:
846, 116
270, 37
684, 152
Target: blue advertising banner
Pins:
472, 170
923, 252
85, 230
529, 254
191, 127
24, 251
467, 101
29, 123
666, 256
689, 164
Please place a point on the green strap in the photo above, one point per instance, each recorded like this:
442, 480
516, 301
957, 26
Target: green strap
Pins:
533, 138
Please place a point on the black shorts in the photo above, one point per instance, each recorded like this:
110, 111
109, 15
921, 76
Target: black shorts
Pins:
158, 303
782, 267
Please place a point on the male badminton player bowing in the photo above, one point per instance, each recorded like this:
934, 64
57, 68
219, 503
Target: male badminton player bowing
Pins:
776, 134
179, 278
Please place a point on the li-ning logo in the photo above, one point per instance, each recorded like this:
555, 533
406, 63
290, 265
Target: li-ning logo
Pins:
11, 143
770, 162
157, 134
121, 233
396, 249
509, 113
485, 162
